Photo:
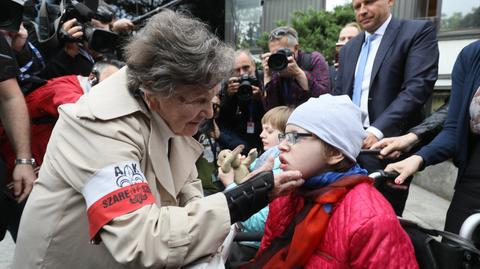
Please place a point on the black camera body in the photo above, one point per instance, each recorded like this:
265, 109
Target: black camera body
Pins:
278, 60
11, 15
245, 91
99, 40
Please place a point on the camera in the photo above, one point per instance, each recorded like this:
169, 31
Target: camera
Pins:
245, 90
99, 40
278, 60
11, 15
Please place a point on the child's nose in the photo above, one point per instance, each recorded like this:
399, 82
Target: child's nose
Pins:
283, 146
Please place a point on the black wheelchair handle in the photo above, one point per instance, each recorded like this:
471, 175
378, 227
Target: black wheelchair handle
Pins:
382, 174
370, 151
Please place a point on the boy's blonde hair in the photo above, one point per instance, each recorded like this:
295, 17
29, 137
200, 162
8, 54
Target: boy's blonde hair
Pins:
277, 117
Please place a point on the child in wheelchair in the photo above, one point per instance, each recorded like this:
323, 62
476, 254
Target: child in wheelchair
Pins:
337, 219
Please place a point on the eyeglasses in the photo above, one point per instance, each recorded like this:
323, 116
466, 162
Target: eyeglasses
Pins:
293, 137
279, 34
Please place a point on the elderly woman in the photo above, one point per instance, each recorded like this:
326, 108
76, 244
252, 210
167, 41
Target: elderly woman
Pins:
118, 187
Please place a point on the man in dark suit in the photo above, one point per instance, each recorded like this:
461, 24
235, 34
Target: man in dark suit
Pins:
389, 70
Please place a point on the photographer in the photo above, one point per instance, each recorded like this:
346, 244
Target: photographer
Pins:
241, 107
83, 37
291, 76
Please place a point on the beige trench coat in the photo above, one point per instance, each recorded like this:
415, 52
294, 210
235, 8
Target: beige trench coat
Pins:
105, 127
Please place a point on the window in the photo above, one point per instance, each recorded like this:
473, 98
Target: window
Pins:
458, 15
247, 14
427, 9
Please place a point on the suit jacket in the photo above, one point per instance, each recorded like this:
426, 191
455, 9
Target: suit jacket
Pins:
403, 74
95, 139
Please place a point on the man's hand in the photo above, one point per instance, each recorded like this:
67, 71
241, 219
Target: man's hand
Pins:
75, 32
292, 69
405, 168
232, 86
393, 147
256, 92
122, 26
19, 39
369, 141
267, 74
23, 178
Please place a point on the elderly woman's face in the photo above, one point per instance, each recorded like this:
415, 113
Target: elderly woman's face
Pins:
186, 110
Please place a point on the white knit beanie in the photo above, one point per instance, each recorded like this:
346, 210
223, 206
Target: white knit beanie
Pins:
335, 120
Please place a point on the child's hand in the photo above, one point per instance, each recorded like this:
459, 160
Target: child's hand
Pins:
225, 178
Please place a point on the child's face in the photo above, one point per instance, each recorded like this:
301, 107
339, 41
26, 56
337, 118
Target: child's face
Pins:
269, 136
307, 154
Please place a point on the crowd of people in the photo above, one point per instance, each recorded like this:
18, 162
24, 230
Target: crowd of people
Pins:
136, 164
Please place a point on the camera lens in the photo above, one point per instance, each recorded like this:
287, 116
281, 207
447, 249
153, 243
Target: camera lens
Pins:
100, 40
278, 61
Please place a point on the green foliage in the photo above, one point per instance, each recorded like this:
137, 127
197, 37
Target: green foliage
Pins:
317, 30
459, 21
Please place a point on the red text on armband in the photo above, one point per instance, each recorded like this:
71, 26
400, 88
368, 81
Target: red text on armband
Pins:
114, 191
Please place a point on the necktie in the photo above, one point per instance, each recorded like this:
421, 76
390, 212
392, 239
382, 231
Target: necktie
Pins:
357, 86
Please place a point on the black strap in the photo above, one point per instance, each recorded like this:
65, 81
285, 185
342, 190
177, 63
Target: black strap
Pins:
249, 197
306, 62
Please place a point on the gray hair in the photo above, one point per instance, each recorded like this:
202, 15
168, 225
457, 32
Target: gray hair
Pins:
246, 52
173, 50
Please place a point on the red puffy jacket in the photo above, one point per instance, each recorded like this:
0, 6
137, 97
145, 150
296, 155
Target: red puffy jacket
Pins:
363, 232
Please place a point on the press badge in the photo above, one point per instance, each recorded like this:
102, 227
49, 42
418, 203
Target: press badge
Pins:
250, 127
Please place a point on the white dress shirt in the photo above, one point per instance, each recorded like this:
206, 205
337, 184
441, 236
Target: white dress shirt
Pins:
368, 74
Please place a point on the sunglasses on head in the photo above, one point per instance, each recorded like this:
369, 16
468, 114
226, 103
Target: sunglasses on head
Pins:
279, 34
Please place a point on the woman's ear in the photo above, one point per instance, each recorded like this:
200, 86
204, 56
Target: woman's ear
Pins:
151, 101
334, 157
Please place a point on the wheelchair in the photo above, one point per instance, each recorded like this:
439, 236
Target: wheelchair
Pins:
452, 251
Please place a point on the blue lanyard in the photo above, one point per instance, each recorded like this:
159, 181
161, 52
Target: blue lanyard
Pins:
27, 66
87, 55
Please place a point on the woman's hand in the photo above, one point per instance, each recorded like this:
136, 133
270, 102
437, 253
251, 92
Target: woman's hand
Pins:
405, 168
284, 182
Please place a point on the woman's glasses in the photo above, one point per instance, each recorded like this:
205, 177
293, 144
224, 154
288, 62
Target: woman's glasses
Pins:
293, 137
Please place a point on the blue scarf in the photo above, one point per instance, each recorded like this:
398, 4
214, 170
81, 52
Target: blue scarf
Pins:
330, 177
